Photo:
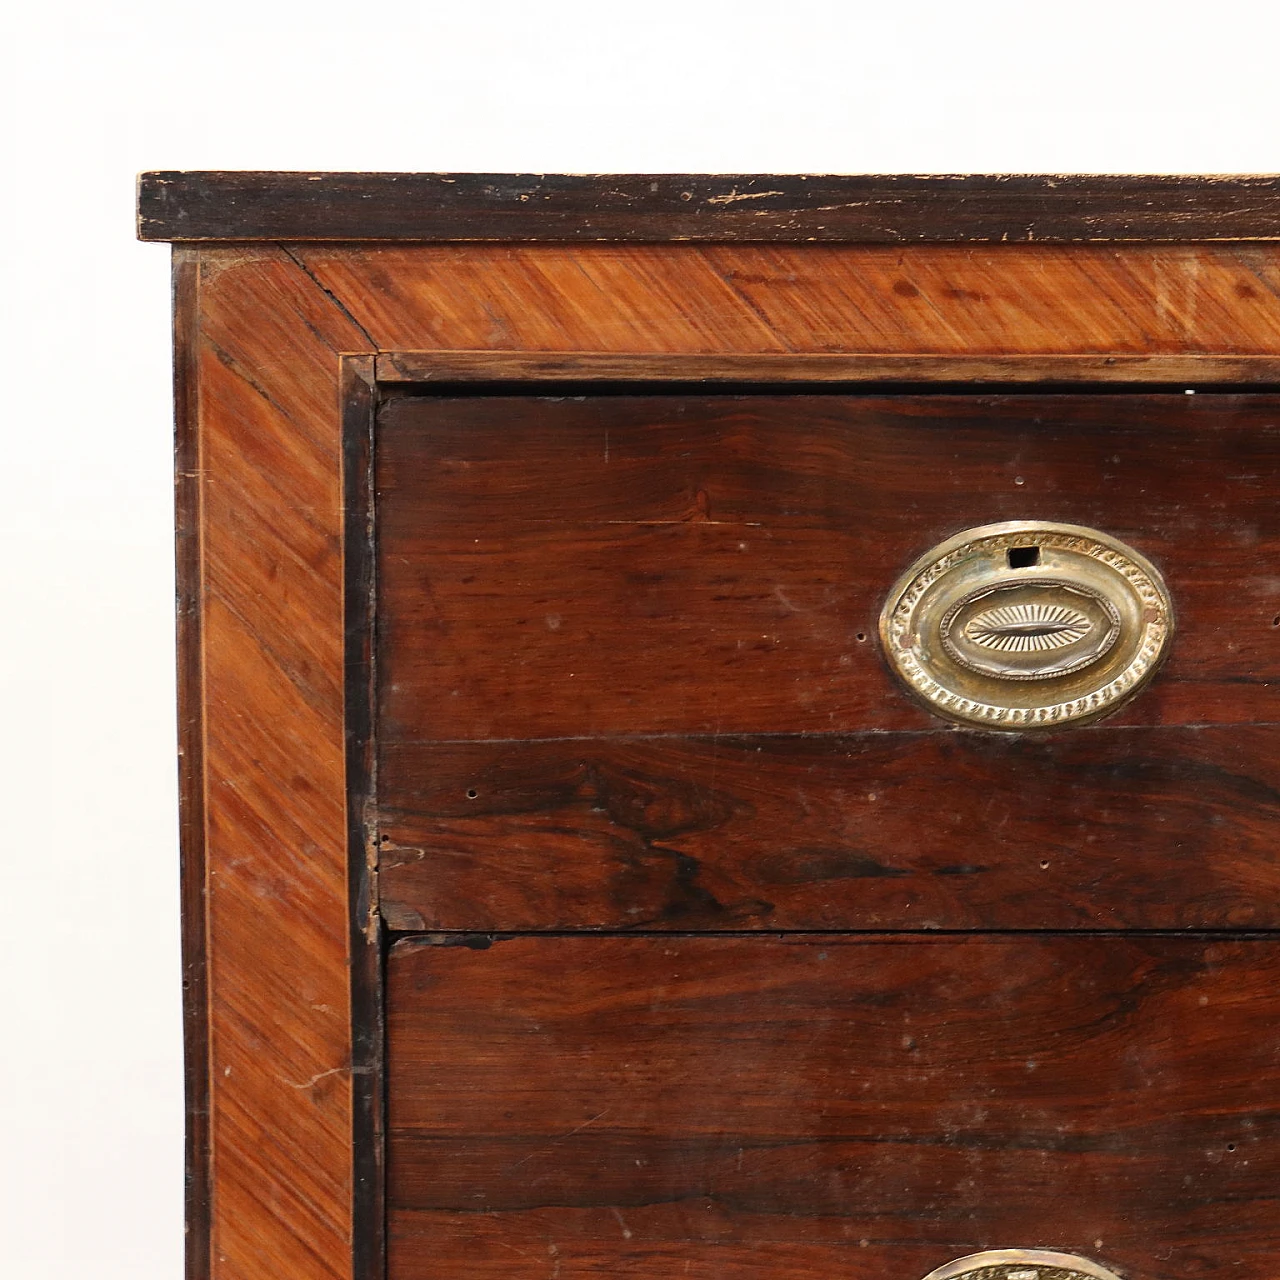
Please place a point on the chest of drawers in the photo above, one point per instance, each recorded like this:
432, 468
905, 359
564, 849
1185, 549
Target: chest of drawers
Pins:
727, 725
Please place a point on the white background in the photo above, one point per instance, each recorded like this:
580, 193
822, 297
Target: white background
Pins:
90, 1096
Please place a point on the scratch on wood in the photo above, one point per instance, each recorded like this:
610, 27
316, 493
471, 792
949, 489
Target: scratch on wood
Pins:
735, 195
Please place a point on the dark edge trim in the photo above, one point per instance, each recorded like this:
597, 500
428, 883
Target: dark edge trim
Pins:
473, 940
188, 557
192, 205
368, 1225
783, 367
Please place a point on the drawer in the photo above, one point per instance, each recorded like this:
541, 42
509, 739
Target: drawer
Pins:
831, 1105
629, 673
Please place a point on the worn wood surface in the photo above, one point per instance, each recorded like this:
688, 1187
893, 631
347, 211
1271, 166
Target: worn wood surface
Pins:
262, 332
191, 779
265, 343
359, 399
497, 367
885, 208
1092, 829
803, 1107
717, 564
852, 299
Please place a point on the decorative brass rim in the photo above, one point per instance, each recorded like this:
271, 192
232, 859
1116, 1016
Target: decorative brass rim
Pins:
1027, 625
1022, 1264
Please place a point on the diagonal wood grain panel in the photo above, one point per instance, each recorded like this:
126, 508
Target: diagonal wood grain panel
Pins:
271, 594
863, 298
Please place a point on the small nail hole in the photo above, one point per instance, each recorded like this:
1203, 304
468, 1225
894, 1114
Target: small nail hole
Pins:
1044, 866
1231, 1146
472, 793
862, 637
1275, 622
1023, 557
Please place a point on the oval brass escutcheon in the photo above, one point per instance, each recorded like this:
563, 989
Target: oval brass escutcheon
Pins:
1022, 1264
1027, 625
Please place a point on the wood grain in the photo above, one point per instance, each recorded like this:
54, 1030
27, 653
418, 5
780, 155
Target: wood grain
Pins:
359, 398
262, 333
278, 943
846, 299
802, 1107
1093, 829
558, 567
496, 367
886, 208
191, 766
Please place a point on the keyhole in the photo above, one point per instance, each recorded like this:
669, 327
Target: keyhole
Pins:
1023, 557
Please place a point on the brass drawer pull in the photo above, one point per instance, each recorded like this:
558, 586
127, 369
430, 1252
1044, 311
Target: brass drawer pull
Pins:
1027, 625
1022, 1264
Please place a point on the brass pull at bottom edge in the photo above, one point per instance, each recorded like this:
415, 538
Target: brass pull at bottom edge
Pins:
1022, 1264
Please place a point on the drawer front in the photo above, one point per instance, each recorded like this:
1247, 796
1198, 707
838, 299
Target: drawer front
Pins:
629, 673
831, 1105
677, 564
